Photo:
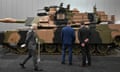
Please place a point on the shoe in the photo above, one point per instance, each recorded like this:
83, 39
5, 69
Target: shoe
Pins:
22, 66
83, 65
89, 64
62, 62
70, 63
36, 69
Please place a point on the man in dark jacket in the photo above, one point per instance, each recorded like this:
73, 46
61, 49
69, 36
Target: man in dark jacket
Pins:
83, 36
68, 38
31, 44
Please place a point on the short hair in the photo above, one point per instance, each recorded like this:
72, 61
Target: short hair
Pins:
34, 24
69, 22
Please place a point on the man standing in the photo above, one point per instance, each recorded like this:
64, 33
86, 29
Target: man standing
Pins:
68, 38
31, 44
83, 36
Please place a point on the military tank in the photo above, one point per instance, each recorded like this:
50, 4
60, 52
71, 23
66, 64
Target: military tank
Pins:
104, 37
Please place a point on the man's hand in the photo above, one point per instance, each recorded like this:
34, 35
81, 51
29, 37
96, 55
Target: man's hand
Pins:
23, 45
86, 40
83, 44
38, 60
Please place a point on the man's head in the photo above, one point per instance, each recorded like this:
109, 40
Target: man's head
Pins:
87, 26
83, 25
68, 23
34, 26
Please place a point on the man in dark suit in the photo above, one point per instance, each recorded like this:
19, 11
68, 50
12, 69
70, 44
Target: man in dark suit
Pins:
83, 36
68, 38
31, 44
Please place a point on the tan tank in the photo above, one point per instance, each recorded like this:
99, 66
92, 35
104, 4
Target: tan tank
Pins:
50, 23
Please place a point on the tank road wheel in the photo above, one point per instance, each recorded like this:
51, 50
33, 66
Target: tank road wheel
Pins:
117, 42
92, 48
102, 49
13, 48
117, 39
22, 50
118, 47
50, 48
59, 46
76, 49
41, 48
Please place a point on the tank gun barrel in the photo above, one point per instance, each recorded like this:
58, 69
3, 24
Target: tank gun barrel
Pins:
11, 20
47, 8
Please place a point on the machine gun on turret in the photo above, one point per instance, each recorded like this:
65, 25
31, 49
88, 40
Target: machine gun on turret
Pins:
46, 9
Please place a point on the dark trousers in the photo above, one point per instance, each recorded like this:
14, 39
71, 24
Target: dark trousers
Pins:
31, 53
86, 55
64, 46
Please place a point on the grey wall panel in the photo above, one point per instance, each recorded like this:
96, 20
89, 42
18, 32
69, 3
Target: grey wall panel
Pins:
1, 8
9, 8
